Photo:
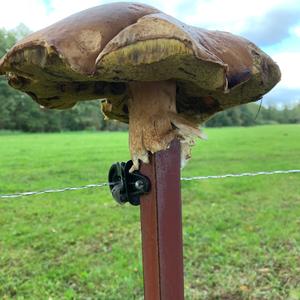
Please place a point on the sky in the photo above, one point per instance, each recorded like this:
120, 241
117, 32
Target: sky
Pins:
274, 25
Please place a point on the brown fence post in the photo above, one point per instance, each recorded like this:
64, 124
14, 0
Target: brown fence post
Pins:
161, 225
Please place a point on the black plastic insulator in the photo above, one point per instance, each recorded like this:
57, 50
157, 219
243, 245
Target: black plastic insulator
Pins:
125, 186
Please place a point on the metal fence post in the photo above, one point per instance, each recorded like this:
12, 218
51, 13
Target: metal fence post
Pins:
161, 225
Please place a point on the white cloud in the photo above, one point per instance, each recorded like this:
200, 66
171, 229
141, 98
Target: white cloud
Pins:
31, 12
289, 63
230, 15
296, 31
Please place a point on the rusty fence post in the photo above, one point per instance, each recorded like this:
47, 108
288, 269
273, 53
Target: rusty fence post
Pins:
161, 225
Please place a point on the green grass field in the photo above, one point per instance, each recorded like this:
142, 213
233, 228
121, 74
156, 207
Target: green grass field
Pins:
241, 235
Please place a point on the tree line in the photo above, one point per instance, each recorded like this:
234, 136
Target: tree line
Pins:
19, 112
253, 114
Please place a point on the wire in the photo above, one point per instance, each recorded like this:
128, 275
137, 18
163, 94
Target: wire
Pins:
240, 175
260, 105
48, 191
17, 195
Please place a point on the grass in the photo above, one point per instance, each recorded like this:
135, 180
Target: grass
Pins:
241, 235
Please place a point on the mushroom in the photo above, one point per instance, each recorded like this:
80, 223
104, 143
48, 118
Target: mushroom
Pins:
156, 73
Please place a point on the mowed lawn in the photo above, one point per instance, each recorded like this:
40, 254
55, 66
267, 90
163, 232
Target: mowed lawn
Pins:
241, 235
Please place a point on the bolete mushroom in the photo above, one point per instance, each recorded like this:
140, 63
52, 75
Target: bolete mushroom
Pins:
156, 73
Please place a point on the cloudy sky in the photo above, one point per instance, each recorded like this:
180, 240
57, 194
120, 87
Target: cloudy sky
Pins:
274, 25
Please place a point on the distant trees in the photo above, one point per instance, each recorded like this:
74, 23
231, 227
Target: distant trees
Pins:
19, 112
252, 114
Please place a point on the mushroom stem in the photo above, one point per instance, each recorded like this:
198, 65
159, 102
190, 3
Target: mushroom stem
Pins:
154, 122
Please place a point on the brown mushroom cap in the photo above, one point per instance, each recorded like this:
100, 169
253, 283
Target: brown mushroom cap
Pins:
95, 53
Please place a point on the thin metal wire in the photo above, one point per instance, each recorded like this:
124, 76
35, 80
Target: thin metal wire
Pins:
240, 175
17, 195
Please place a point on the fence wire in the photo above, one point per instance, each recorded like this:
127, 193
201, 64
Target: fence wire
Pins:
83, 187
100, 185
240, 175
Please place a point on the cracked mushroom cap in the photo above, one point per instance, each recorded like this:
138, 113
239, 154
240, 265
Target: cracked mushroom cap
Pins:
95, 53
